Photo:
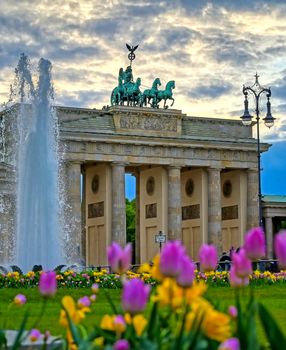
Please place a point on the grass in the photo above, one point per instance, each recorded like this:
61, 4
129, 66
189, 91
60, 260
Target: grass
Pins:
273, 297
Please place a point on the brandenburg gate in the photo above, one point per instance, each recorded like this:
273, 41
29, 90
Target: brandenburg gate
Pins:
196, 178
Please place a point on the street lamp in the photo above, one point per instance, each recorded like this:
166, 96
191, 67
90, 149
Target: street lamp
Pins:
257, 90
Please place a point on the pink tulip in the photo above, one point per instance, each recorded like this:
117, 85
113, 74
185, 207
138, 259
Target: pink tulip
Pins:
135, 296
230, 344
241, 263
34, 335
84, 302
171, 258
121, 344
95, 288
119, 321
232, 311
187, 274
119, 258
254, 243
236, 281
48, 283
280, 248
92, 298
208, 257
20, 299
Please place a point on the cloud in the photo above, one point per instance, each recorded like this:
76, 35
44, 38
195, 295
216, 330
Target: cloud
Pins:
84, 98
211, 90
278, 88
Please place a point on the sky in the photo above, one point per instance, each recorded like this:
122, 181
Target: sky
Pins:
210, 48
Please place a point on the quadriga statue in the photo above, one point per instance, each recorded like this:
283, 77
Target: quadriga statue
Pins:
129, 91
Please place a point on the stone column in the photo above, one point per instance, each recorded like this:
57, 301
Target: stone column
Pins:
73, 212
214, 208
83, 214
118, 227
137, 227
252, 198
174, 203
269, 237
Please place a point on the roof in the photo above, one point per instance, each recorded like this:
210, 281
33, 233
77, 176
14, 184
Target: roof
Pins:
274, 199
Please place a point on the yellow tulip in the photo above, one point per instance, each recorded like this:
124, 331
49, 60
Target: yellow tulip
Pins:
139, 323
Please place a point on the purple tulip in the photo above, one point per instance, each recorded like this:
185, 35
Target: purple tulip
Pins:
119, 258
241, 264
20, 299
232, 311
254, 243
208, 257
171, 258
236, 281
280, 248
187, 274
121, 344
230, 344
34, 335
135, 296
84, 302
48, 283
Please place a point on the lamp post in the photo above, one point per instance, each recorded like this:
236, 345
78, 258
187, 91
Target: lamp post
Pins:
257, 90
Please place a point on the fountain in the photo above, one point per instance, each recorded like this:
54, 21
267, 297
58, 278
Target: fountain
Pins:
37, 238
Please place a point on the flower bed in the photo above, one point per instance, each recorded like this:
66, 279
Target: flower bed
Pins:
72, 279
172, 314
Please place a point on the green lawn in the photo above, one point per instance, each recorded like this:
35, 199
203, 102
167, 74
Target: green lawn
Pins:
273, 297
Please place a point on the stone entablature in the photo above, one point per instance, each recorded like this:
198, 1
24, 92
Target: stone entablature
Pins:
160, 154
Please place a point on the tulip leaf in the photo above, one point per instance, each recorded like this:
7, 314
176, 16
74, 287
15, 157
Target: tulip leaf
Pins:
17, 341
274, 334
113, 307
3, 340
152, 329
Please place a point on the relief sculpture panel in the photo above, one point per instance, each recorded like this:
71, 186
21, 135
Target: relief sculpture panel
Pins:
148, 123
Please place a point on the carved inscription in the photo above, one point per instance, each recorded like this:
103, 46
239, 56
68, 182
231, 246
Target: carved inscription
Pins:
191, 212
148, 123
151, 211
95, 210
229, 213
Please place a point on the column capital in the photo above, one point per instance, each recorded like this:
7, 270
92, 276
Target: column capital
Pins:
252, 170
171, 166
214, 168
114, 164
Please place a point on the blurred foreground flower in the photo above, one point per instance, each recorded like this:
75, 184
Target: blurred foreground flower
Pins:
235, 280
75, 314
20, 299
208, 257
241, 265
171, 258
119, 258
121, 344
187, 273
230, 344
135, 296
113, 323
254, 243
48, 283
280, 248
